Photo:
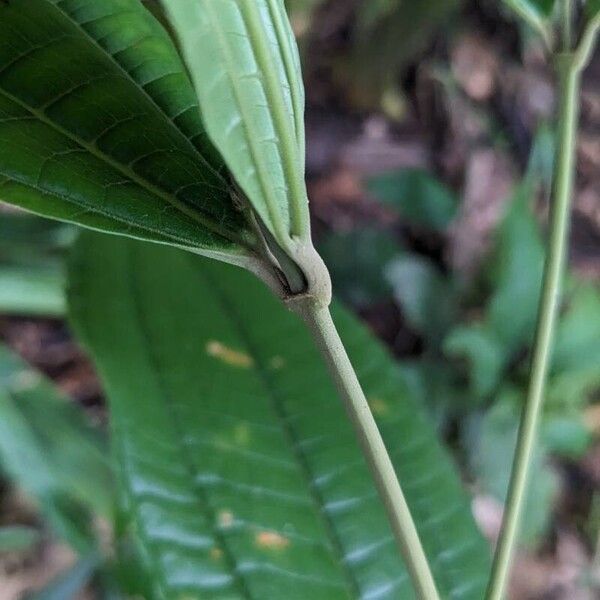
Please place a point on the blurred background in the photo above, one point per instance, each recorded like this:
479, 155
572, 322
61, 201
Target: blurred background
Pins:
430, 148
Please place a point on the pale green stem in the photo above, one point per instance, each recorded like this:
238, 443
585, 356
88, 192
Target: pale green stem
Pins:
567, 25
327, 338
570, 74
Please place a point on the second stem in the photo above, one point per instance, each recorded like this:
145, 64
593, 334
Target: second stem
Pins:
570, 75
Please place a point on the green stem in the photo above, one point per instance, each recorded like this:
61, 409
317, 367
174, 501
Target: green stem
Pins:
570, 75
567, 25
327, 338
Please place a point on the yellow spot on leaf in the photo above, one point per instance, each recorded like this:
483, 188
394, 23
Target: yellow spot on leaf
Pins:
241, 434
277, 362
216, 553
225, 518
378, 406
24, 381
228, 355
271, 540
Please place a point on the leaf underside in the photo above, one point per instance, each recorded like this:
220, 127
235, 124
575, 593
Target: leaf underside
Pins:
242, 474
243, 60
99, 125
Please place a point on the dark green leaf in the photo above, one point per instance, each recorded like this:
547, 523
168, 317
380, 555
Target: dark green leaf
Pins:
243, 60
419, 198
578, 334
357, 261
434, 383
47, 448
517, 265
575, 374
483, 351
425, 295
99, 126
242, 473
593, 8
17, 538
566, 436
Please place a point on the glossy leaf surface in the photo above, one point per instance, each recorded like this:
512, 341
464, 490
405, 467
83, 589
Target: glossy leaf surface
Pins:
99, 125
243, 476
243, 60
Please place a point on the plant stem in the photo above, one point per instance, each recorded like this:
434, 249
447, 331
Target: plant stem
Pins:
570, 74
327, 338
567, 25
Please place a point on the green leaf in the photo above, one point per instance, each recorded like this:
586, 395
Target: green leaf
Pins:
578, 334
484, 352
517, 265
419, 198
242, 473
17, 538
575, 375
99, 126
491, 440
357, 260
425, 295
32, 278
593, 8
28, 290
567, 436
243, 60
49, 450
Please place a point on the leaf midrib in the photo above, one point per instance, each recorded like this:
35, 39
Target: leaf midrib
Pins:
287, 142
136, 296
277, 15
352, 585
247, 121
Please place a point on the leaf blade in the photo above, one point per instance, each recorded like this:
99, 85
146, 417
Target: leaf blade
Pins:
244, 62
267, 442
99, 125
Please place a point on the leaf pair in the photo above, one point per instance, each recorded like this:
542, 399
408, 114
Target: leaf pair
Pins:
100, 124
